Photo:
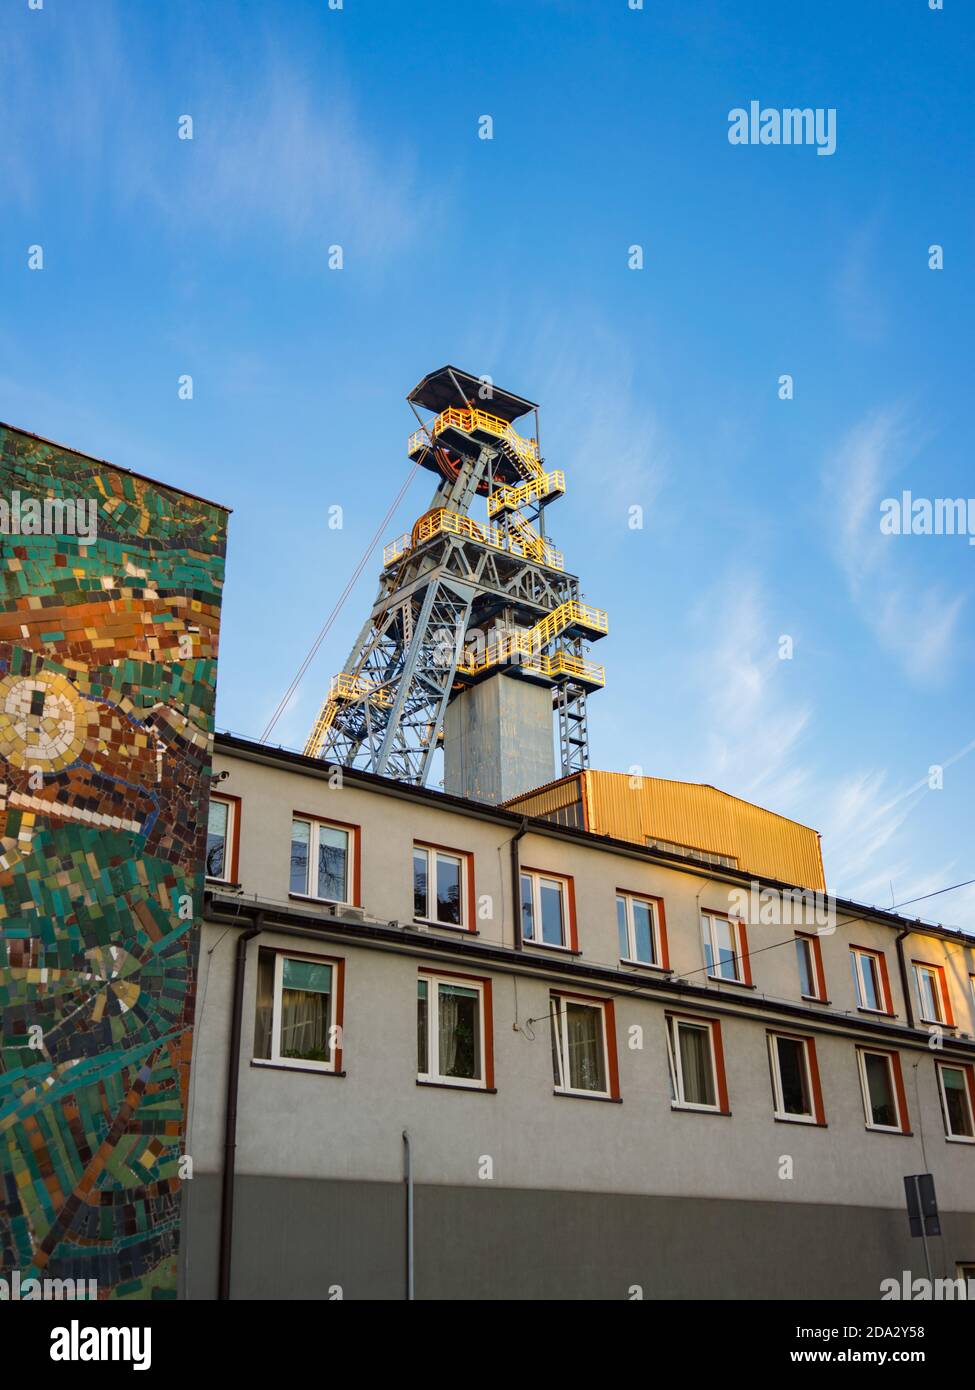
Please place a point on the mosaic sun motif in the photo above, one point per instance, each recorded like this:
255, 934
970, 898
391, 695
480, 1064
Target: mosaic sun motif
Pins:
43, 721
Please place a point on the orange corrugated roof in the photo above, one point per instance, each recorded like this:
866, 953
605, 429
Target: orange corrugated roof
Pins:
693, 815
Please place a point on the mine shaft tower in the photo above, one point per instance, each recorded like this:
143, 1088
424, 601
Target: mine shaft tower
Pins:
477, 632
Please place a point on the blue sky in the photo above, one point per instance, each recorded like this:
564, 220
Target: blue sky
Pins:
659, 387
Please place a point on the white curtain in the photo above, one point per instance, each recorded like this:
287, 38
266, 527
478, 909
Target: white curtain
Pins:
448, 1010
695, 1065
304, 1025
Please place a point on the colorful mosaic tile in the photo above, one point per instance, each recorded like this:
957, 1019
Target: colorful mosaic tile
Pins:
108, 655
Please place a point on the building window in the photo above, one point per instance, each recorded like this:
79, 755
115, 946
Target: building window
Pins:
870, 980
727, 861
884, 1103
547, 910
565, 815
443, 887
812, 980
299, 1011
321, 860
957, 1084
641, 929
222, 833
696, 1058
795, 1079
725, 948
453, 1031
932, 992
583, 1046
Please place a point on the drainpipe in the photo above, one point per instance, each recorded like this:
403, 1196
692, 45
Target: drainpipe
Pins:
516, 883
408, 1179
230, 1118
905, 984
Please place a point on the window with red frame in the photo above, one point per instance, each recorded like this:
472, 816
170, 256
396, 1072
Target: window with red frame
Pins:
812, 980
932, 993
795, 1079
870, 980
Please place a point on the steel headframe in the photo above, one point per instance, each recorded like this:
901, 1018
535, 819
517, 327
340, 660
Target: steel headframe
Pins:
408, 651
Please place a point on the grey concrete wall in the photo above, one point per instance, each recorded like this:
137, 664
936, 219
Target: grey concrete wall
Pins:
389, 826
300, 1239
304, 1124
498, 740
325, 1152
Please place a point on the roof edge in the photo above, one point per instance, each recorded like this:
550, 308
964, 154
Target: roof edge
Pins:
228, 742
118, 467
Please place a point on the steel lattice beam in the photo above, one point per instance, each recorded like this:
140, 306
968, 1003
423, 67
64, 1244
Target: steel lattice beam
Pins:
432, 594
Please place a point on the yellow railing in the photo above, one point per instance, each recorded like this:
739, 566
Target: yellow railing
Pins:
522, 647
508, 646
567, 664
567, 615
394, 549
344, 688
527, 537
508, 499
467, 421
459, 524
316, 739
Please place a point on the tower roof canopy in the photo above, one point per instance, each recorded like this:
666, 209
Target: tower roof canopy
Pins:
438, 390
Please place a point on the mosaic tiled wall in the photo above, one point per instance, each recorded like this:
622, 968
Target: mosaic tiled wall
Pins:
107, 675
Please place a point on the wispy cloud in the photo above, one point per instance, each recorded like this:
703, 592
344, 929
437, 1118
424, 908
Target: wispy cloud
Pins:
273, 151
865, 855
915, 622
755, 723
81, 65
612, 442
861, 308
299, 159
863, 817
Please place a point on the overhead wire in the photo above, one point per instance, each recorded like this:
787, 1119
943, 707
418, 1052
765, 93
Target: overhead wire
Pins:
775, 945
323, 633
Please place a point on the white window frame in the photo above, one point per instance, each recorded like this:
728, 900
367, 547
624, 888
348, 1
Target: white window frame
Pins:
862, 1053
312, 871
434, 1077
334, 1029
559, 1016
956, 1138
708, 918
433, 853
922, 968
858, 953
537, 878
228, 844
631, 958
676, 1071
780, 1111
